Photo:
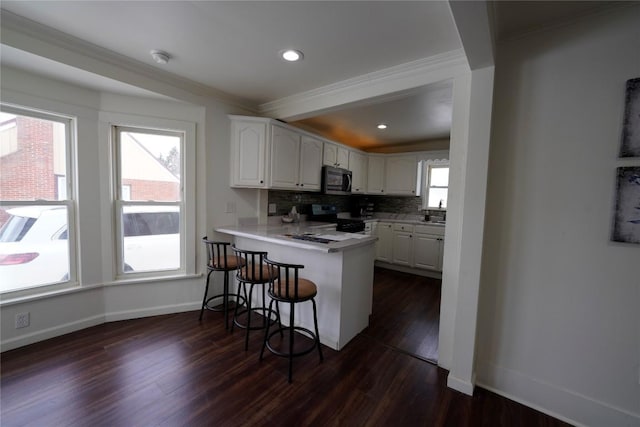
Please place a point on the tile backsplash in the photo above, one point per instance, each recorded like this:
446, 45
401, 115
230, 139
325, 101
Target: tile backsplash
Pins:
285, 200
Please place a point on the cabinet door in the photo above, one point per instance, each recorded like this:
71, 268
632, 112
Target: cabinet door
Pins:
357, 165
402, 248
427, 251
384, 245
248, 152
342, 157
310, 163
285, 158
401, 175
375, 175
330, 157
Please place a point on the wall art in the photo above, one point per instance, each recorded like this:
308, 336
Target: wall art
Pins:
631, 124
626, 227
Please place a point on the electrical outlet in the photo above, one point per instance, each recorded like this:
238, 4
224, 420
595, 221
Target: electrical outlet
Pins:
272, 208
22, 320
230, 208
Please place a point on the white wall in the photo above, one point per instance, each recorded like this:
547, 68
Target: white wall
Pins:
559, 314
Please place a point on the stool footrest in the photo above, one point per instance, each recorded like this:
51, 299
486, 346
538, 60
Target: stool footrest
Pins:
311, 335
264, 312
238, 300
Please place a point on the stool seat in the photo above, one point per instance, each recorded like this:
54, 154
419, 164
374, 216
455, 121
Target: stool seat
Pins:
286, 290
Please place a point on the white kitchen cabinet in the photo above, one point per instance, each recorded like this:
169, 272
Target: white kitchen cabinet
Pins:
248, 152
403, 244
375, 174
335, 155
428, 247
427, 251
358, 168
296, 160
401, 173
285, 158
384, 245
310, 163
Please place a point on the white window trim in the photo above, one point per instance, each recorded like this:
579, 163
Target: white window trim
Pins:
107, 122
70, 202
426, 168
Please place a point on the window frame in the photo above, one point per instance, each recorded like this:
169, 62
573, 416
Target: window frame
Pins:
69, 203
428, 166
114, 121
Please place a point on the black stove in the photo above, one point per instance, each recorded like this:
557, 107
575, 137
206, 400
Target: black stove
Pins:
329, 213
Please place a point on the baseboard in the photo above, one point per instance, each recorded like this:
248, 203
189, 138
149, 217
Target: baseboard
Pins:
460, 385
66, 328
151, 311
560, 403
52, 332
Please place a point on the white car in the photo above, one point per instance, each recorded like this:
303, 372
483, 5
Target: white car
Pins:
34, 248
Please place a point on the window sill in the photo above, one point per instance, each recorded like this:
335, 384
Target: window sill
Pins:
75, 288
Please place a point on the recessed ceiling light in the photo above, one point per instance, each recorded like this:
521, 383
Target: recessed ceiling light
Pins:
291, 55
160, 56
382, 126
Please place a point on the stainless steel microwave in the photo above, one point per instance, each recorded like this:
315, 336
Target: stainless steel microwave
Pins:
336, 180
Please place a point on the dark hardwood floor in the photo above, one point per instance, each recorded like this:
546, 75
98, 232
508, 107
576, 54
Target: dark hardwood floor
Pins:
406, 313
174, 371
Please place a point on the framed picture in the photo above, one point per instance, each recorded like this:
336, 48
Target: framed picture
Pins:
630, 146
626, 226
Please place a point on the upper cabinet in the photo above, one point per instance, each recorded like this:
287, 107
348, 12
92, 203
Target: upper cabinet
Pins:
335, 155
375, 174
310, 163
248, 152
267, 154
296, 160
401, 174
358, 168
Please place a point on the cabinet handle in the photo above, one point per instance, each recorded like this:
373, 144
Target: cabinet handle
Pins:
261, 182
301, 185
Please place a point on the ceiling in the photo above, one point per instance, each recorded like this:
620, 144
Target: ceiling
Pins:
232, 46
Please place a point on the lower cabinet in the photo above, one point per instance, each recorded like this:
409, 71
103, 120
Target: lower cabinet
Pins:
419, 246
384, 245
403, 244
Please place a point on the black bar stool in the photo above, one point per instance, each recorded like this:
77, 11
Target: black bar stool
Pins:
287, 287
219, 258
253, 271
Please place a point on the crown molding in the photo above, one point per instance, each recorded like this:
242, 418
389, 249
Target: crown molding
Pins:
29, 36
386, 82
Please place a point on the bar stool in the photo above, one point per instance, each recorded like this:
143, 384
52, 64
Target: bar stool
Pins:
219, 258
253, 271
287, 287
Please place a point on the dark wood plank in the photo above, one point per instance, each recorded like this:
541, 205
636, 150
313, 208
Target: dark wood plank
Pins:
172, 371
406, 313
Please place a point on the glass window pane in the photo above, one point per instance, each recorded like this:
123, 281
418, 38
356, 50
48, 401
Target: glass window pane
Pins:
439, 177
438, 197
34, 249
151, 238
33, 153
150, 166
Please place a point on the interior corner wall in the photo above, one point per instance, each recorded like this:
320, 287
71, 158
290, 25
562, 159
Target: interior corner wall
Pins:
559, 313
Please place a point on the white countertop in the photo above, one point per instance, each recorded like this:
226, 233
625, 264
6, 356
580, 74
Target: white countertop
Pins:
282, 234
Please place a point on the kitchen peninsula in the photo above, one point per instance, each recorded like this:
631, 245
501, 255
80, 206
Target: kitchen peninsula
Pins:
340, 264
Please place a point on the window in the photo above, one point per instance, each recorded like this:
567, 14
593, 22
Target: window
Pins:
36, 204
436, 187
149, 203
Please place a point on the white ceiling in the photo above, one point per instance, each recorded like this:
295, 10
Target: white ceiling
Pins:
232, 46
